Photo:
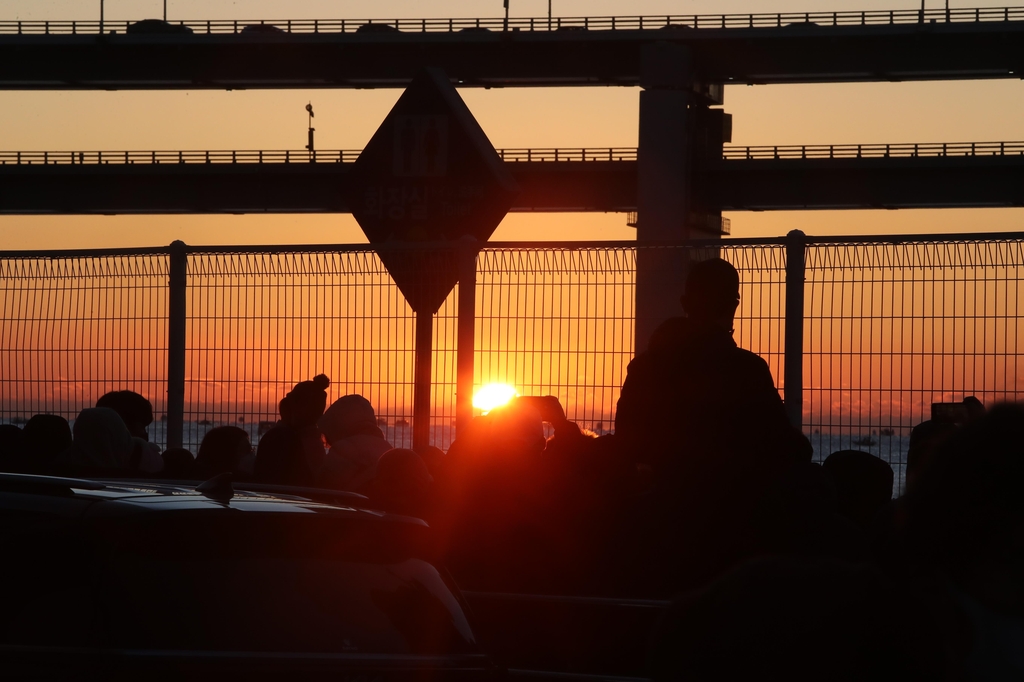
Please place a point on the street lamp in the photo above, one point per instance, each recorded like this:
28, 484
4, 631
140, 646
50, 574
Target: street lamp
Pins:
309, 145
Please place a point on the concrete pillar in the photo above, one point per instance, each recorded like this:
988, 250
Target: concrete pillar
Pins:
664, 167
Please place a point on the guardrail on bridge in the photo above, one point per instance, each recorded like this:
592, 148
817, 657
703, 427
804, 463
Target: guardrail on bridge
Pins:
524, 155
498, 24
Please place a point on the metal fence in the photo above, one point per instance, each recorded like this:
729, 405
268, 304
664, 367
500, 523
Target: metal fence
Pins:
893, 325
258, 322
880, 329
76, 326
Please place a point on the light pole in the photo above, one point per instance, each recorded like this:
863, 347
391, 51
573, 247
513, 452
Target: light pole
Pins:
165, 10
505, 26
101, 16
309, 145
549, 15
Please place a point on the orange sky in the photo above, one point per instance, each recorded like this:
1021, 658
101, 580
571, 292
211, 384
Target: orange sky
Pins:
598, 117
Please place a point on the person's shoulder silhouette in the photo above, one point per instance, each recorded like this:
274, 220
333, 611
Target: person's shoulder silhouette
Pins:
694, 390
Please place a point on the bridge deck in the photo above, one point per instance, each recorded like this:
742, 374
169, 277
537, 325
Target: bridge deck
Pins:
746, 178
752, 48
535, 24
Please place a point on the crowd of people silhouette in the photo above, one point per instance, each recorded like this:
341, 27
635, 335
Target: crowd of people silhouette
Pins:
776, 565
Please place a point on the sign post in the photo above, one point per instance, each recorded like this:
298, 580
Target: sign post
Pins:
429, 176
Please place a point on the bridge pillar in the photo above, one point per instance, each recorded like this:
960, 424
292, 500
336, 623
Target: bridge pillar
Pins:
679, 134
663, 183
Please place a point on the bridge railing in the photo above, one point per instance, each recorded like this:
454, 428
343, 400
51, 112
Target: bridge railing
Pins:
498, 24
29, 158
858, 151
569, 154
171, 156
525, 155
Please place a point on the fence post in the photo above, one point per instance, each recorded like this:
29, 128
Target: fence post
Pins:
793, 389
176, 344
423, 374
465, 358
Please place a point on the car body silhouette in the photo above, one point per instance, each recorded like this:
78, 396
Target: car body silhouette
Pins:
163, 580
156, 27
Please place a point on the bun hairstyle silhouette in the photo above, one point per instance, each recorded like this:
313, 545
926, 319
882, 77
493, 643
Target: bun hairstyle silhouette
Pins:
305, 403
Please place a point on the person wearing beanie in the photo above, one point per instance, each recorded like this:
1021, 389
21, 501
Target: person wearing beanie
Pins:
357, 443
301, 409
292, 452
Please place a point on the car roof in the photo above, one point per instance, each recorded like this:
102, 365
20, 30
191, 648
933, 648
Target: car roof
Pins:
113, 496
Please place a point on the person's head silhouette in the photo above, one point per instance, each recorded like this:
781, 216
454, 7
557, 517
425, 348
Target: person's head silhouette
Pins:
135, 410
712, 293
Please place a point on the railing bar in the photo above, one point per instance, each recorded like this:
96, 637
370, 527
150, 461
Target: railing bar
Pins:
903, 239
582, 154
836, 18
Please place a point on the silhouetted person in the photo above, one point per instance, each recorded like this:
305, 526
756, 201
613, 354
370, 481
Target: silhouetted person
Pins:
179, 464
798, 620
433, 457
12, 449
974, 407
706, 417
928, 436
225, 449
965, 528
357, 443
799, 516
135, 411
694, 395
305, 405
863, 485
280, 455
402, 484
46, 436
101, 446
506, 517
925, 440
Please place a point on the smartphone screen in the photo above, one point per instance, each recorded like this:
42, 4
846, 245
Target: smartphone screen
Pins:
954, 413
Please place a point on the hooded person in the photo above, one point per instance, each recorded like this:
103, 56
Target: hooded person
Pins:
101, 444
357, 443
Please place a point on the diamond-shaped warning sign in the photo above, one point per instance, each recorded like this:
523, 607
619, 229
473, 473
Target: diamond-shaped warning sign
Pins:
429, 174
